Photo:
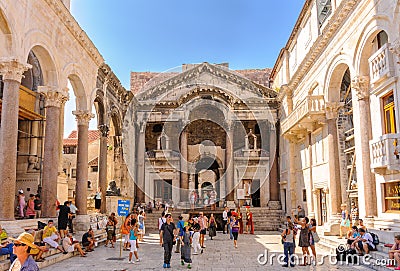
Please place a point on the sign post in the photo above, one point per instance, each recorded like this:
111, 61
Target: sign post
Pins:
123, 210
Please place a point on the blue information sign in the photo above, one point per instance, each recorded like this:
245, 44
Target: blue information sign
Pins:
123, 207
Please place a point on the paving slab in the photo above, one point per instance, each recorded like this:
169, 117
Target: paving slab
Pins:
218, 255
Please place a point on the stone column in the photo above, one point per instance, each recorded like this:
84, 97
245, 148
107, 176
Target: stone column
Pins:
12, 72
292, 175
365, 180
229, 167
61, 133
334, 166
274, 172
103, 165
289, 97
184, 181
140, 192
83, 117
53, 100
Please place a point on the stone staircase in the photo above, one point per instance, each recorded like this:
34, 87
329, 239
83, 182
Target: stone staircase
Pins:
15, 228
330, 243
267, 219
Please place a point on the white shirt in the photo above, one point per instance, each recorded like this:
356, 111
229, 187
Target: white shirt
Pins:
370, 240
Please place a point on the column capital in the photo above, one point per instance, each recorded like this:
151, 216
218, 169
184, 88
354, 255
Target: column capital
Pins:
288, 91
12, 69
104, 129
332, 108
83, 116
361, 86
54, 97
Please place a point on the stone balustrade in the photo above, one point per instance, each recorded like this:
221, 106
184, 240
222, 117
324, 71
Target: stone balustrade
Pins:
385, 153
311, 106
381, 64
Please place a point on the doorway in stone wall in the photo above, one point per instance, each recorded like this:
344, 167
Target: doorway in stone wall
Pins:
255, 193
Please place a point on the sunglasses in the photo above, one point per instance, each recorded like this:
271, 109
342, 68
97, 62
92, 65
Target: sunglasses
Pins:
19, 245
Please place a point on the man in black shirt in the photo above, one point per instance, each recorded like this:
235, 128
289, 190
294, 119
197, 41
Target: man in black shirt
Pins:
88, 240
63, 217
167, 238
38, 206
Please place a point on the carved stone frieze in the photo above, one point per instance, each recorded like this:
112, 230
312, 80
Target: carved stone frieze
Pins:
12, 69
361, 86
54, 97
395, 48
83, 116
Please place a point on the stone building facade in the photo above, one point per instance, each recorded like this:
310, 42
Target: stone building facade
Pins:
40, 53
337, 82
200, 129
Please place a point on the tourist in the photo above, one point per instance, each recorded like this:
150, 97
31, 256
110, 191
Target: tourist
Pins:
224, 219
22, 248
235, 226
21, 203
30, 207
141, 219
70, 246
228, 228
361, 225
186, 241
212, 228
192, 200
300, 212
196, 236
161, 221
97, 200
88, 240
364, 243
249, 221
304, 238
213, 199
125, 231
354, 214
394, 253
345, 221
313, 238
63, 217
352, 235
288, 245
133, 235
110, 231
203, 222
38, 206
51, 236
115, 220
167, 238
6, 248
239, 217
73, 210
181, 226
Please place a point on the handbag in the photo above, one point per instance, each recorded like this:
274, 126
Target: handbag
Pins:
315, 237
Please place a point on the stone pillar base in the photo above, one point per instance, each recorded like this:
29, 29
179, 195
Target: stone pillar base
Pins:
275, 205
332, 227
82, 223
369, 222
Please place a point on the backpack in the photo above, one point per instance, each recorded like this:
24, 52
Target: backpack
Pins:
375, 238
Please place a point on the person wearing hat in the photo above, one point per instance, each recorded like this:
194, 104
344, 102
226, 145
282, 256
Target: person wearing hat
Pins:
22, 248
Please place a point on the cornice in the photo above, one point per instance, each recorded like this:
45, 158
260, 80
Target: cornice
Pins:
342, 11
79, 34
227, 75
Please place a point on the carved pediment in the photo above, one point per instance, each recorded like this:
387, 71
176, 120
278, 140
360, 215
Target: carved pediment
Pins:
202, 75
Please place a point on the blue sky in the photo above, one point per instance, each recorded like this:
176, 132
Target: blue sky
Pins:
157, 35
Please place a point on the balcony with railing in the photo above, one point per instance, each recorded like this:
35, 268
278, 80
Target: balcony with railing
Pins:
385, 153
311, 109
381, 64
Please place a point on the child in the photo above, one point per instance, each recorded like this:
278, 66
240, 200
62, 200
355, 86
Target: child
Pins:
186, 240
110, 231
133, 233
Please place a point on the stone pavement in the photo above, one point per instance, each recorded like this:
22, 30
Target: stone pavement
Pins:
219, 254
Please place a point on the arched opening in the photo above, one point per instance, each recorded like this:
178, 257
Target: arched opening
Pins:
207, 179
